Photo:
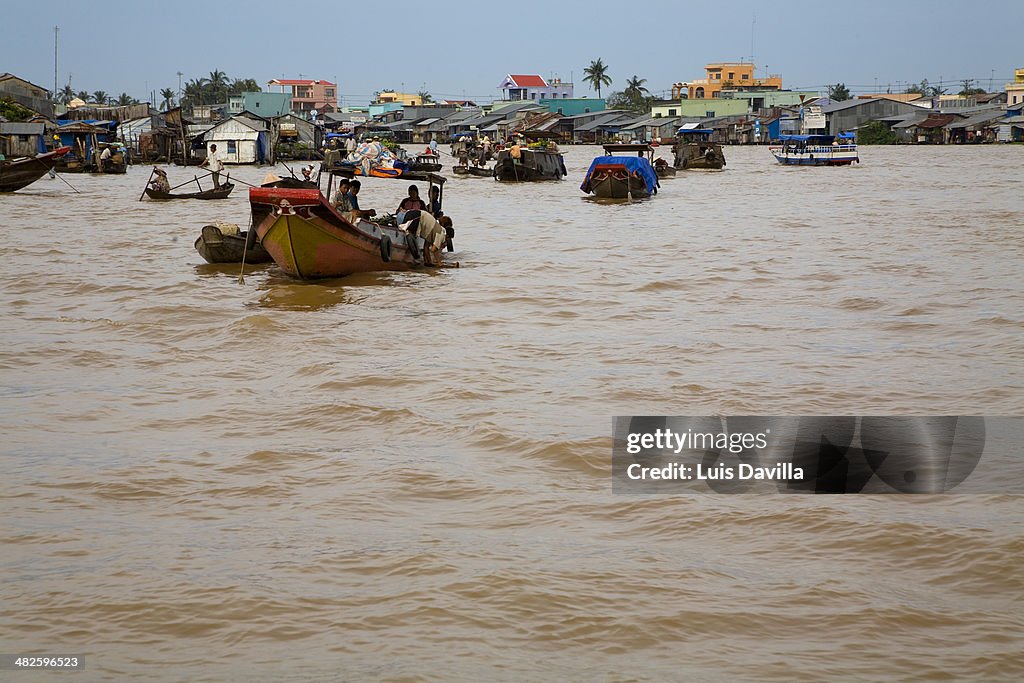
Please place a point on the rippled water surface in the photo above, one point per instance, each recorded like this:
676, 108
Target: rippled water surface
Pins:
406, 476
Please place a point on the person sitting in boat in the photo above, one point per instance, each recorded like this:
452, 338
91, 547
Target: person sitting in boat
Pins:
434, 233
340, 199
516, 152
353, 202
160, 182
434, 196
410, 203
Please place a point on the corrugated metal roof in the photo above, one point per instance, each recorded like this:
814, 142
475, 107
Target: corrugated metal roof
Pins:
427, 122
21, 129
976, 120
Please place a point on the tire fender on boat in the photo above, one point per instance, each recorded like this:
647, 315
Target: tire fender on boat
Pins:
385, 248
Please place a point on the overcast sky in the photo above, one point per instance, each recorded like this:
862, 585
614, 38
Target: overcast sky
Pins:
463, 48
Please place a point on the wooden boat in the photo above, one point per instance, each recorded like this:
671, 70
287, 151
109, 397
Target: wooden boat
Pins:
664, 170
308, 239
816, 150
223, 243
18, 173
478, 171
622, 177
216, 193
535, 163
694, 150
427, 163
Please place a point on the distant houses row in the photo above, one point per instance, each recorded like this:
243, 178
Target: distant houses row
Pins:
739, 108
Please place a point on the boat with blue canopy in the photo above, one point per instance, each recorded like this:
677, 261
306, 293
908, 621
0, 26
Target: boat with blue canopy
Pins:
622, 177
816, 150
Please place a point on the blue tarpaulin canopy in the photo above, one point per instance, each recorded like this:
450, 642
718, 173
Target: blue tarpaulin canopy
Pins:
632, 165
807, 138
701, 131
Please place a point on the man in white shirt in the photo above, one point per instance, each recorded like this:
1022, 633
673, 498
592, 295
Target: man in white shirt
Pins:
214, 163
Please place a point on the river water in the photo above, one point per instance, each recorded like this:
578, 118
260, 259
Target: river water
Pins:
407, 476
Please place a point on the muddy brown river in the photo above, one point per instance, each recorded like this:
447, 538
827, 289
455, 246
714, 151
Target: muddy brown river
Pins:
406, 476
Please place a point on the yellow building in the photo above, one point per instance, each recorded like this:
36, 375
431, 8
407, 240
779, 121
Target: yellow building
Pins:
1015, 90
725, 76
403, 98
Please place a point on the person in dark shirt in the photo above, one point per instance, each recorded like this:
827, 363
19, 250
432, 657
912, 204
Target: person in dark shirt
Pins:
353, 202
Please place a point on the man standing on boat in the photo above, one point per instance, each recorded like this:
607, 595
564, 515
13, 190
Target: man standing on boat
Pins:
214, 163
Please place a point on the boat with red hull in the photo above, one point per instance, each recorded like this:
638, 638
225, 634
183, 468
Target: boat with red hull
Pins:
308, 239
18, 173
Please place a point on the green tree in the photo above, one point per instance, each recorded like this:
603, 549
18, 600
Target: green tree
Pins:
921, 88
876, 133
83, 95
968, 88
100, 97
241, 85
168, 101
636, 92
597, 75
218, 87
838, 92
65, 95
12, 111
425, 96
125, 99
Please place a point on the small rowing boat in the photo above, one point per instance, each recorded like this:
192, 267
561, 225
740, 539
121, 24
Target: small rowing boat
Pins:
221, 192
224, 243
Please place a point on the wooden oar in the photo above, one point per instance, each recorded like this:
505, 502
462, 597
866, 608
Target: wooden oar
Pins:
151, 172
61, 177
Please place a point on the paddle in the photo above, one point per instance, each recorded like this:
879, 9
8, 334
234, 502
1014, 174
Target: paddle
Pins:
151, 172
61, 177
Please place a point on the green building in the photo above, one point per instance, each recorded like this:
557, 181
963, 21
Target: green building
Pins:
571, 106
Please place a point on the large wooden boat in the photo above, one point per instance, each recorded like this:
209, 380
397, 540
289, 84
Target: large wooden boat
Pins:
221, 192
816, 150
308, 239
538, 161
18, 173
615, 176
225, 244
694, 150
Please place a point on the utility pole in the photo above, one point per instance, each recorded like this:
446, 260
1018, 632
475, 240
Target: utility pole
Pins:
55, 30
179, 88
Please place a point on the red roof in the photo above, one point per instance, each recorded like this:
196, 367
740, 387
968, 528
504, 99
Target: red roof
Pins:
296, 81
528, 81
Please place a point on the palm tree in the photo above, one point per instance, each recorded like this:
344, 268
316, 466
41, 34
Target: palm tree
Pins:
195, 91
168, 95
66, 94
83, 95
218, 86
597, 75
425, 97
635, 90
100, 97
125, 99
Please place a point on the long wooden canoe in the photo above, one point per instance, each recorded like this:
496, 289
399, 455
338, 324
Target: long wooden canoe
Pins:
217, 193
18, 173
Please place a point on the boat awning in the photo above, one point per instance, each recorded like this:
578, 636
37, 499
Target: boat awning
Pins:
631, 164
683, 130
807, 138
